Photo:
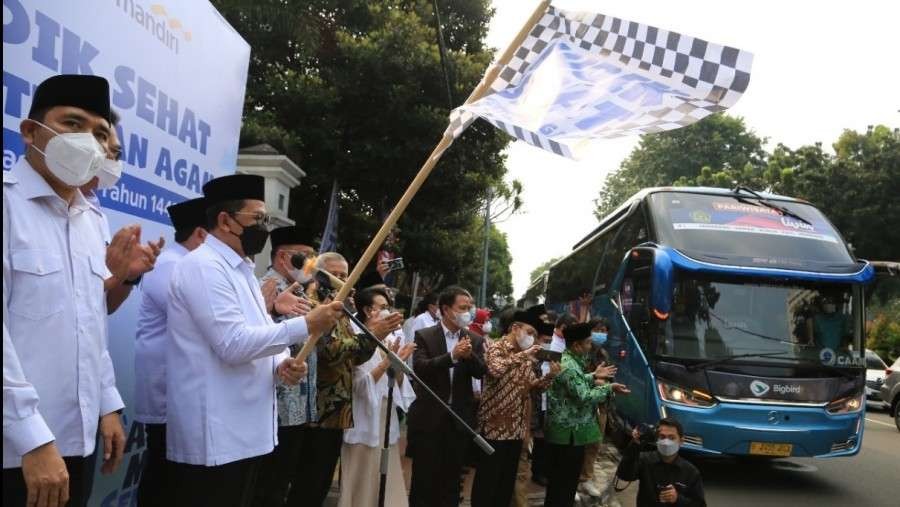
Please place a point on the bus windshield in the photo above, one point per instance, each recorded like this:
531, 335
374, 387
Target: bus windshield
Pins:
714, 319
738, 230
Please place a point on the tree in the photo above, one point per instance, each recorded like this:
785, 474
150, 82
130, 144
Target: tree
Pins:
538, 271
883, 331
354, 91
717, 142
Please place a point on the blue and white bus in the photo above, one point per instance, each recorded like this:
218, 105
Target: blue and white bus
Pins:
738, 313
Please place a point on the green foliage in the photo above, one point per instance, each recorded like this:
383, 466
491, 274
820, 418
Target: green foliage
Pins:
354, 91
856, 188
883, 332
538, 271
678, 157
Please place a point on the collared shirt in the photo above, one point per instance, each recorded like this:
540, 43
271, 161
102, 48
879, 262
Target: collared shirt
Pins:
151, 338
369, 404
573, 400
221, 358
452, 339
102, 220
503, 411
422, 321
339, 352
58, 377
296, 404
557, 344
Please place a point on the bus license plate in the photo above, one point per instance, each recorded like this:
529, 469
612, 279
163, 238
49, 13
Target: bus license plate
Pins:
770, 449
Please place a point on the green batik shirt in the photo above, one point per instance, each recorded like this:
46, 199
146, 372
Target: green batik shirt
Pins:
572, 404
338, 353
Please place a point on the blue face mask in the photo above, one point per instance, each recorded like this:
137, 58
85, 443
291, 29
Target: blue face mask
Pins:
598, 338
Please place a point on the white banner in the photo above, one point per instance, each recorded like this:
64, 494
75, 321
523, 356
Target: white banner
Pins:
177, 73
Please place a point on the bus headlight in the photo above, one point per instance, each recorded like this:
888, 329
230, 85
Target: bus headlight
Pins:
847, 405
683, 396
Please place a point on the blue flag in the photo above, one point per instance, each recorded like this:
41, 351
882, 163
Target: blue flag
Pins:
329, 236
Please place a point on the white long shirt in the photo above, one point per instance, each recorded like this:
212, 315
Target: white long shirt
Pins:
58, 377
151, 338
422, 321
221, 358
369, 398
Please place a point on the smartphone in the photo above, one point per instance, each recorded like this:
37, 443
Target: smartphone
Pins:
395, 264
548, 355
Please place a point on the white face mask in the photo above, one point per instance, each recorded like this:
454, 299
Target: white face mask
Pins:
463, 319
667, 447
109, 173
487, 327
524, 340
74, 158
300, 276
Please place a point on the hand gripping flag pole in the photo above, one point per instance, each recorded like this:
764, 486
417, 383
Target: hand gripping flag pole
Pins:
483, 88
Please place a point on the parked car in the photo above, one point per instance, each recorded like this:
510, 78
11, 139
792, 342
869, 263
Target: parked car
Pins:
875, 369
890, 390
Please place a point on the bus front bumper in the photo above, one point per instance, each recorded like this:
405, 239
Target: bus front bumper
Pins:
746, 429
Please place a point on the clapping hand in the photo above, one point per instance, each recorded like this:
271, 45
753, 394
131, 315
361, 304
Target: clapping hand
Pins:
463, 349
288, 303
269, 290
127, 258
381, 327
620, 388
605, 371
406, 351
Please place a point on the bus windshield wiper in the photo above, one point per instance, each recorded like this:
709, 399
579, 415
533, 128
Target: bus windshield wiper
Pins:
769, 204
714, 362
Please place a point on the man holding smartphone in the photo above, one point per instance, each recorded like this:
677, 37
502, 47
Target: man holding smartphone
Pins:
665, 477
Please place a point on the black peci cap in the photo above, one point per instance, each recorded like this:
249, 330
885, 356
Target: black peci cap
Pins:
577, 332
533, 320
543, 328
292, 235
90, 93
188, 215
234, 187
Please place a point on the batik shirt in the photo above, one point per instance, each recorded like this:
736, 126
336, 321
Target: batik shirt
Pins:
503, 413
297, 403
339, 353
572, 404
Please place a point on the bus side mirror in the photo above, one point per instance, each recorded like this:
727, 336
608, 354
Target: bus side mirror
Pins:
662, 284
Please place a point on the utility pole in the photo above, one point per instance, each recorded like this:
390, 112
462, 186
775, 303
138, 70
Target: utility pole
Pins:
482, 294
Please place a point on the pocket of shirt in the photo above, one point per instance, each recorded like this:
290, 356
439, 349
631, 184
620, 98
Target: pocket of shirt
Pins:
38, 286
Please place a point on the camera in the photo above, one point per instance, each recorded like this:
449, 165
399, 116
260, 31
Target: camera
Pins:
395, 264
647, 438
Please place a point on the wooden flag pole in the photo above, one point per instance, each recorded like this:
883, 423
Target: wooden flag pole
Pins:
481, 90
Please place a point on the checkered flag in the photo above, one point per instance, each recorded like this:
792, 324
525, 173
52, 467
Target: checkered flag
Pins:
578, 77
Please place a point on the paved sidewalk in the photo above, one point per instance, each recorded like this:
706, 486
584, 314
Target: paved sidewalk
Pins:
604, 479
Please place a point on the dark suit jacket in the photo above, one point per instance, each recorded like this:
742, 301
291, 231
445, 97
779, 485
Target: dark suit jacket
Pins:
432, 363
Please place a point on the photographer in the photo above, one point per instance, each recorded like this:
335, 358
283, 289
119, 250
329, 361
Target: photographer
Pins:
665, 477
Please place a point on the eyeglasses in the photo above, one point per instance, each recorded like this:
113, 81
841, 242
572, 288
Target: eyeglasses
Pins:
259, 218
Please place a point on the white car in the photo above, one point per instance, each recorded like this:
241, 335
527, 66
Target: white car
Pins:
875, 368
